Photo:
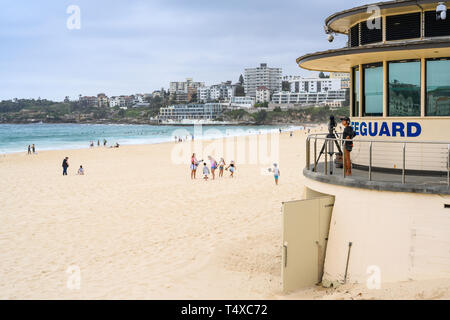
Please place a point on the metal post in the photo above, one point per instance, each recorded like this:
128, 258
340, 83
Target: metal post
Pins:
343, 156
326, 157
308, 150
315, 154
370, 161
404, 164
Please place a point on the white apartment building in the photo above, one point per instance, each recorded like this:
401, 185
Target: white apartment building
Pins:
334, 98
315, 85
262, 76
207, 111
262, 95
221, 92
242, 102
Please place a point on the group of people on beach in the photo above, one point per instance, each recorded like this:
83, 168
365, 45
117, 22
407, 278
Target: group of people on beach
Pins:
211, 169
65, 166
117, 145
32, 149
180, 139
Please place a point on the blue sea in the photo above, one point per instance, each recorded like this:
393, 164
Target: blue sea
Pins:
17, 137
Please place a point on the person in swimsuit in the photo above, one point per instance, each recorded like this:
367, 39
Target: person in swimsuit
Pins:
232, 168
276, 173
194, 166
222, 165
213, 166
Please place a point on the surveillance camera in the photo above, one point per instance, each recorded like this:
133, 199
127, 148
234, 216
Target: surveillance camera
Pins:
441, 11
326, 29
330, 38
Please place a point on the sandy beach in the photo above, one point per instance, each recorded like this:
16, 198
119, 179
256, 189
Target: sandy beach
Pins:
138, 227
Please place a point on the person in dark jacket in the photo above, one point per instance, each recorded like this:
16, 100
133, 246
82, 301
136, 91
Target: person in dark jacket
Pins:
348, 134
65, 165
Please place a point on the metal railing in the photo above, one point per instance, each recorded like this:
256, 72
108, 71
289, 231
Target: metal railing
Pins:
425, 156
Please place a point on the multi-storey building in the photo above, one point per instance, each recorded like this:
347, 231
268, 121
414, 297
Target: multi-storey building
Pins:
262, 76
262, 95
344, 77
242, 102
218, 92
332, 98
314, 85
102, 100
184, 91
88, 101
207, 111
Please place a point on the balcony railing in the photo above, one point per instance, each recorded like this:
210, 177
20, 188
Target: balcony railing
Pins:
401, 159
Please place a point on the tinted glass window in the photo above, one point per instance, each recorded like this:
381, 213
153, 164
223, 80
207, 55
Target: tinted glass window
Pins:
373, 90
438, 88
435, 27
404, 88
405, 26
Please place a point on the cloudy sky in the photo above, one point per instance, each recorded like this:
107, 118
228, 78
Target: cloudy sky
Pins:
138, 46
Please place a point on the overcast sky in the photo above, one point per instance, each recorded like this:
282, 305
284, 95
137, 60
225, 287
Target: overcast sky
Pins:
126, 47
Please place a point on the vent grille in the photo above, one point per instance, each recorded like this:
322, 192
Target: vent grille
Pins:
434, 27
354, 36
370, 35
405, 26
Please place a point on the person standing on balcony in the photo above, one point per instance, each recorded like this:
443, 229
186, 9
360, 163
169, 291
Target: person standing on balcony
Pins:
348, 134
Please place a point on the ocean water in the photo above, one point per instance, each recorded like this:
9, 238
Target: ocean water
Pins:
17, 137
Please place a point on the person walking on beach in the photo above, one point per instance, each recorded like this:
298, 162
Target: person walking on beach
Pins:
222, 165
194, 166
276, 173
213, 166
65, 165
104, 142
29, 149
232, 168
205, 172
348, 134
98, 143
33, 148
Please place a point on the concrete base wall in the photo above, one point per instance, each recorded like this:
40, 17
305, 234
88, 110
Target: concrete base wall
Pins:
406, 235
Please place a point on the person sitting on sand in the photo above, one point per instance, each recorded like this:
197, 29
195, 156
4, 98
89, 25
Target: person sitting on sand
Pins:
232, 168
81, 171
276, 173
205, 171
222, 165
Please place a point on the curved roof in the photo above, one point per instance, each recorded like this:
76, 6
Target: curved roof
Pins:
342, 60
342, 21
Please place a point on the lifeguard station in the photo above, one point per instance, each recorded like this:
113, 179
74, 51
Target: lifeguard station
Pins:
391, 218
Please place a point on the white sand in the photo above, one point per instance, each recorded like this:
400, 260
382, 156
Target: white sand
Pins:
139, 228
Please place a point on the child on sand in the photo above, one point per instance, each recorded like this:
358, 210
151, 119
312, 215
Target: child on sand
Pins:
222, 165
81, 171
232, 168
276, 173
205, 171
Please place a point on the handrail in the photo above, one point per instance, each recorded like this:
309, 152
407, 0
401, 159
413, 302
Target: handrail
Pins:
328, 145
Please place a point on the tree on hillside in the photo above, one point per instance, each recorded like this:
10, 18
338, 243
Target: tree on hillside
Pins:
240, 91
241, 80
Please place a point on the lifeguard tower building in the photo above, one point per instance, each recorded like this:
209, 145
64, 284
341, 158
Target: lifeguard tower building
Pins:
390, 220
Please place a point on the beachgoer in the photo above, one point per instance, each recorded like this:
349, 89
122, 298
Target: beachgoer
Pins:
205, 171
232, 168
348, 134
29, 149
65, 165
222, 165
33, 148
213, 166
104, 142
92, 144
98, 143
292, 134
81, 171
276, 173
194, 166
